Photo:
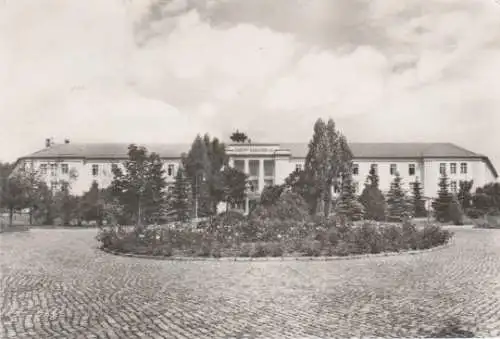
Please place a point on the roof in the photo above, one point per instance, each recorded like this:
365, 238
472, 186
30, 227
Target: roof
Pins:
298, 150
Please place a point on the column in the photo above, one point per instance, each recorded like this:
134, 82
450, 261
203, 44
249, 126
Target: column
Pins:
261, 175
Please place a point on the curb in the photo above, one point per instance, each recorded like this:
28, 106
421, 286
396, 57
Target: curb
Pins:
258, 259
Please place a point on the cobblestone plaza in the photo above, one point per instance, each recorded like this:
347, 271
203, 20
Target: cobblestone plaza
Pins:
57, 284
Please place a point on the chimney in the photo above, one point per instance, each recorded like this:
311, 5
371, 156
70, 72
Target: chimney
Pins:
66, 141
48, 143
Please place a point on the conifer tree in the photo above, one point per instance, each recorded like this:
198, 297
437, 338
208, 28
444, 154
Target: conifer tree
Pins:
465, 195
316, 165
418, 202
441, 204
372, 198
397, 202
181, 196
347, 205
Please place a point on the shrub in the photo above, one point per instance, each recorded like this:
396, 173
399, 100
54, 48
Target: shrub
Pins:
289, 206
311, 248
474, 213
488, 221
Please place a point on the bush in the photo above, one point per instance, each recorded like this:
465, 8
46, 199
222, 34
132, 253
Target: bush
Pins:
289, 206
488, 221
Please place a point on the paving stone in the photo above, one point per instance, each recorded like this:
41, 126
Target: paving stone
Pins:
56, 284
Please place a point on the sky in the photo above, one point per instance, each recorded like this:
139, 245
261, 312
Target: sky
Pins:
149, 71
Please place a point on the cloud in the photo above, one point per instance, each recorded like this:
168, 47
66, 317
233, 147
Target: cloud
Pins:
123, 69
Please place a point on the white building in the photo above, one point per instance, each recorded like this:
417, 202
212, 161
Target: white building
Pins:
268, 164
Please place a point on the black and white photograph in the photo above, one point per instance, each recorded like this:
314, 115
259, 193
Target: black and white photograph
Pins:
249, 169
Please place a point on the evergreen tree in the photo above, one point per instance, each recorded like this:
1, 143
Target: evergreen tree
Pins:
397, 201
455, 211
347, 205
419, 210
155, 192
372, 198
181, 196
198, 169
465, 195
217, 157
92, 204
441, 204
234, 186
66, 204
316, 166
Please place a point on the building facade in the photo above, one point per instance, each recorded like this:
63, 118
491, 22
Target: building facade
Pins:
269, 164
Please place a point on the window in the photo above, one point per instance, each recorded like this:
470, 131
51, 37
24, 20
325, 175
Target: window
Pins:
463, 168
298, 167
374, 168
453, 186
253, 166
442, 168
411, 169
269, 168
355, 169
268, 182
453, 168
43, 168
170, 170
95, 170
394, 169
64, 169
53, 169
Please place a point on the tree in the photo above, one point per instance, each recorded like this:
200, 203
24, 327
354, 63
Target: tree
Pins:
441, 204
234, 186
372, 198
181, 196
465, 195
487, 198
317, 166
66, 204
217, 157
419, 210
455, 211
14, 195
140, 187
198, 169
92, 204
271, 194
238, 137
397, 201
347, 205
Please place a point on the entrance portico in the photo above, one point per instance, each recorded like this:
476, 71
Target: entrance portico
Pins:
265, 165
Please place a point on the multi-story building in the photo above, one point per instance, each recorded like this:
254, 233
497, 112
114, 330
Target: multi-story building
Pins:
268, 164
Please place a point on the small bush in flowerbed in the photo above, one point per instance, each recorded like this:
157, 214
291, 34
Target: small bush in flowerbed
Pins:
273, 238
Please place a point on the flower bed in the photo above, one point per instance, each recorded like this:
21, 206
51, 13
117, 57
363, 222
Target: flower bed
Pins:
272, 238
488, 221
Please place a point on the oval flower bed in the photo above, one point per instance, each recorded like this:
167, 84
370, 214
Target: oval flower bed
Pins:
272, 238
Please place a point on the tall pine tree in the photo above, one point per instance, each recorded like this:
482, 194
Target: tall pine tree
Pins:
419, 210
347, 205
372, 198
441, 204
397, 202
181, 197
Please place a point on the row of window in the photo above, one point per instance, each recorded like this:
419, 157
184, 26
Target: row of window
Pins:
453, 168
94, 169
355, 168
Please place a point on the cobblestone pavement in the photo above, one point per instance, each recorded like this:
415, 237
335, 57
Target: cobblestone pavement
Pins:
56, 284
